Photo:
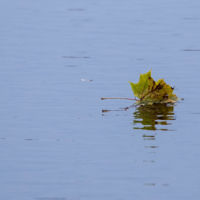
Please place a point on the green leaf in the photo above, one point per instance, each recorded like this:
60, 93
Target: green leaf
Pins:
150, 92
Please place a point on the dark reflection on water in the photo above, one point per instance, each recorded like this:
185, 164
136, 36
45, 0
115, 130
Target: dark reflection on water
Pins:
191, 49
151, 116
56, 198
148, 137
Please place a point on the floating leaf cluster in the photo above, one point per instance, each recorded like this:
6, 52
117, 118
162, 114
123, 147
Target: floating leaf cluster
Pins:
149, 92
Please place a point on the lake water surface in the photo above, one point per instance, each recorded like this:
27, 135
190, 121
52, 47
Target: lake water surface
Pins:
58, 139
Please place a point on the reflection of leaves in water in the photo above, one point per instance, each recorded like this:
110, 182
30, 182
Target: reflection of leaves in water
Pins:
151, 115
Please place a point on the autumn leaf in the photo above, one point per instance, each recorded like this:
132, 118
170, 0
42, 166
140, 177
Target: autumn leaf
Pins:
149, 92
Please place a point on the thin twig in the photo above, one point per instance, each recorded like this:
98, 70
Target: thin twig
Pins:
118, 98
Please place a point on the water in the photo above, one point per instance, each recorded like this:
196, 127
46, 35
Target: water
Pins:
59, 140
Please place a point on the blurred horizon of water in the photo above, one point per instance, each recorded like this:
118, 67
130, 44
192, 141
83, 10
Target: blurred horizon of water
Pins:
58, 139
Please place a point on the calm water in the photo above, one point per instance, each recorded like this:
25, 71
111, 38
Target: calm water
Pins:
58, 139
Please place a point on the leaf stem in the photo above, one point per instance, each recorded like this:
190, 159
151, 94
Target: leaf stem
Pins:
103, 98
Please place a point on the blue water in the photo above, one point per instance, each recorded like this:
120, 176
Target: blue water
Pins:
58, 139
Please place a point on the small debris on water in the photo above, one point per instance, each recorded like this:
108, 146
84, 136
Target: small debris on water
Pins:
86, 80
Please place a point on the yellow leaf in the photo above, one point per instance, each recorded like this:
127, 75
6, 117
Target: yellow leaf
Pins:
150, 92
